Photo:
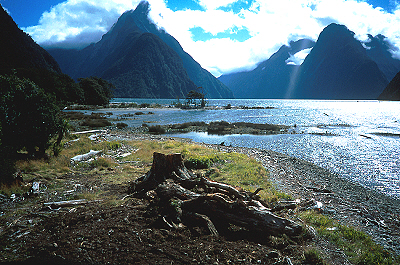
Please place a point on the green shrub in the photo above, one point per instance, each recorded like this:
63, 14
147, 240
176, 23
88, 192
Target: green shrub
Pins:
200, 162
313, 257
29, 117
121, 125
144, 105
114, 145
95, 123
157, 129
97, 91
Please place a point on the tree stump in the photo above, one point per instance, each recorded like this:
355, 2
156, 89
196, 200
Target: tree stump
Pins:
170, 179
163, 167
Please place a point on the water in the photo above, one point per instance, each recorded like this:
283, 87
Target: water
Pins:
359, 140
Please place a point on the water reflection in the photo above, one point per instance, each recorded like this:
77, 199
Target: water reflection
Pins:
357, 139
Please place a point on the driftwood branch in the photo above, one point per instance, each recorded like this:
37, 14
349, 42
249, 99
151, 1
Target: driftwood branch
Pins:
170, 179
62, 204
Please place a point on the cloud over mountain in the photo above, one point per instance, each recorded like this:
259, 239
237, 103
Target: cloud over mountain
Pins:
222, 48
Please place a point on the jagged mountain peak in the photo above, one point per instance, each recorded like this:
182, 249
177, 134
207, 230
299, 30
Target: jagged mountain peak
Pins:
337, 67
113, 58
135, 18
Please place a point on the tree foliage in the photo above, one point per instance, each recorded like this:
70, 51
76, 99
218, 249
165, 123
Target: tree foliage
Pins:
29, 119
87, 91
62, 86
97, 91
193, 97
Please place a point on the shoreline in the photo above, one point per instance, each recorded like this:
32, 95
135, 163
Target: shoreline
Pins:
348, 202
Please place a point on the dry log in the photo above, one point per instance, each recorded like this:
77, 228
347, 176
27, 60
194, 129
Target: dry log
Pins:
84, 157
61, 204
249, 214
172, 180
91, 131
225, 187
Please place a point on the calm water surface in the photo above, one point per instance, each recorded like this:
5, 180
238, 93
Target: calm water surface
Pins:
359, 140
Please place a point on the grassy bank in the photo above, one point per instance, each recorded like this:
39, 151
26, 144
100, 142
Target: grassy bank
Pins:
107, 176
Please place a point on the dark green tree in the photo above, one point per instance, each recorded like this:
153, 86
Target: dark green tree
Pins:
97, 91
29, 119
7, 163
192, 98
62, 86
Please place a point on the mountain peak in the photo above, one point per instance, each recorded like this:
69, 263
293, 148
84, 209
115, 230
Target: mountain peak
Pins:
18, 49
142, 61
337, 67
143, 7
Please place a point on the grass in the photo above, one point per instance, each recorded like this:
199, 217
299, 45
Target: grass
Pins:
312, 256
8, 190
357, 245
232, 168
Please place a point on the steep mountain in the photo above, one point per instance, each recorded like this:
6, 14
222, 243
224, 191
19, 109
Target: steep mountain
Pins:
141, 61
392, 91
271, 78
378, 50
338, 67
18, 50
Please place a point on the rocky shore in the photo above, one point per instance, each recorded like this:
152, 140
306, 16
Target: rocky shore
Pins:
350, 203
115, 228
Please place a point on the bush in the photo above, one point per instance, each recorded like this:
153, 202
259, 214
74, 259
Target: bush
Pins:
96, 123
157, 129
121, 125
29, 119
144, 105
198, 163
97, 91
61, 86
201, 162
313, 256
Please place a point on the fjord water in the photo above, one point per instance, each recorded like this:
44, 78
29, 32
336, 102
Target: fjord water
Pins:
359, 140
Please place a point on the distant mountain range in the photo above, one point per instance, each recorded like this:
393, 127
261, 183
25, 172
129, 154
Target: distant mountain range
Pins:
337, 67
141, 61
19, 51
144, 61
271, 78
392, 91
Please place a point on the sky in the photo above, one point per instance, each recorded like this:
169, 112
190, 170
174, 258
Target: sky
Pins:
222, 35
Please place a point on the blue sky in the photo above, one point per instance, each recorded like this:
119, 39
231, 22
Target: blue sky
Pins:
222, 35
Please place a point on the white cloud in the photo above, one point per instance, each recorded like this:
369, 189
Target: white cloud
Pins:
298, 58
214, 4
77, 23
270, 23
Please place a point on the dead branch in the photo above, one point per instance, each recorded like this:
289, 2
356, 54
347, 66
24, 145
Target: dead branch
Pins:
61, 204
169, 179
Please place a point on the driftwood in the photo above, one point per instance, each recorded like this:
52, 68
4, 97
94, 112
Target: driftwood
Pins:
218, 205
62, 204
84, 157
